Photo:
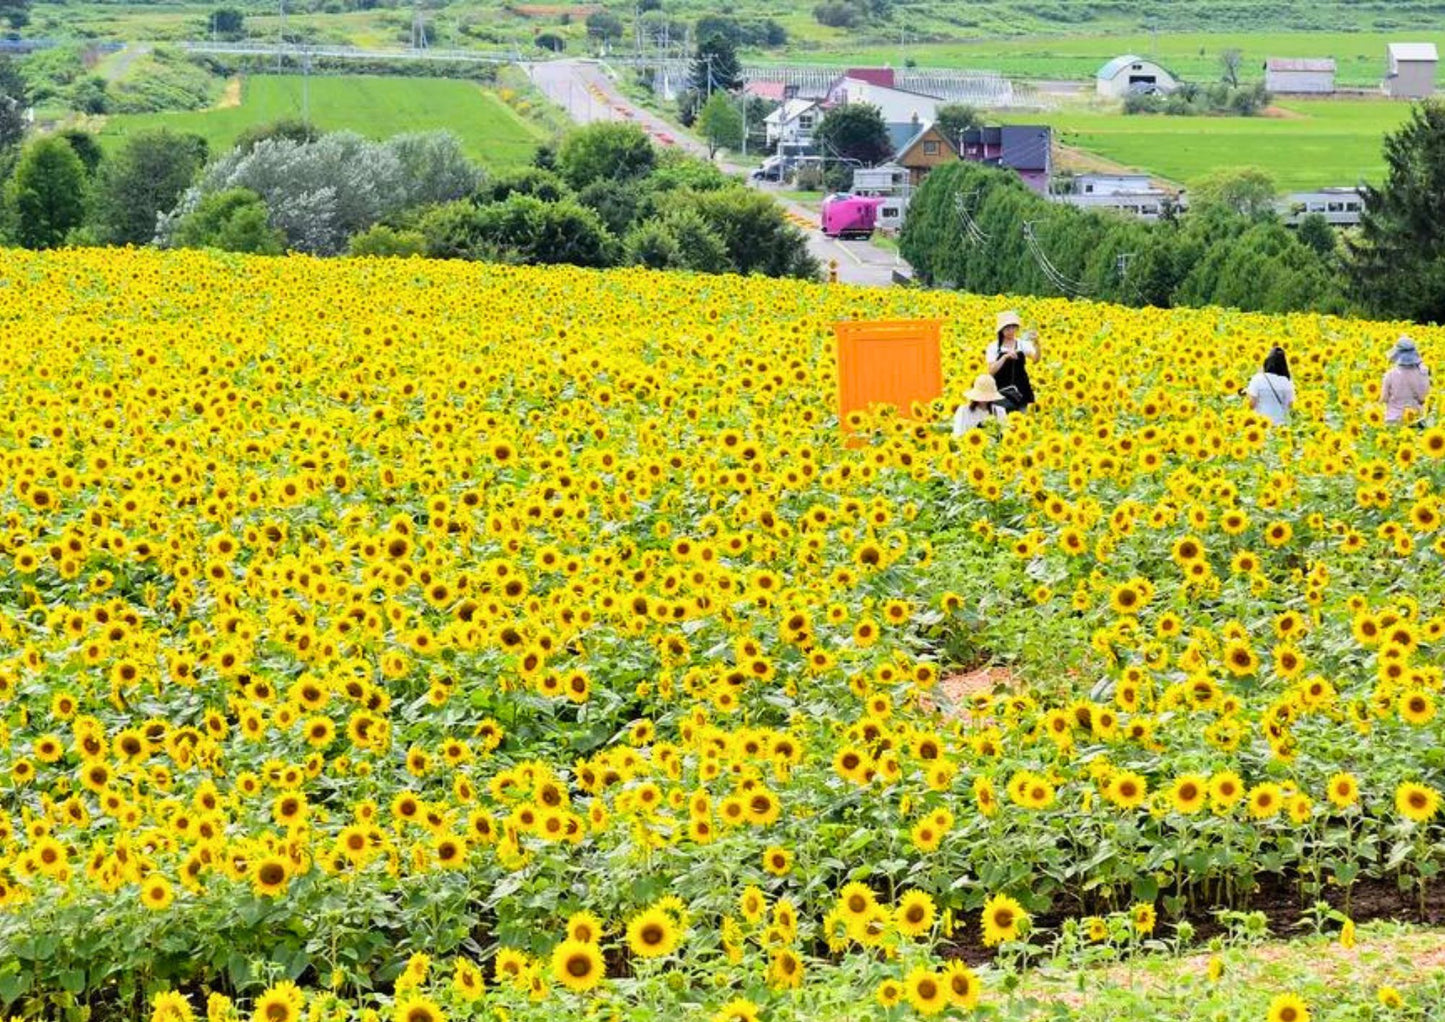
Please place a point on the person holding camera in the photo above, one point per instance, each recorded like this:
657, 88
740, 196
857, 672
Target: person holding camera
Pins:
1008, 357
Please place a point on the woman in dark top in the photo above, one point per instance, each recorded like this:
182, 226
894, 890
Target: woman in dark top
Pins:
1008, 358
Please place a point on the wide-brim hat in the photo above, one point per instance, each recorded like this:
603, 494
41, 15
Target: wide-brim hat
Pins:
985, 388
1404, 353
1009, 318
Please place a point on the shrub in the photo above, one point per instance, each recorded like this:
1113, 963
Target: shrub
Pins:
234, 220
382, 241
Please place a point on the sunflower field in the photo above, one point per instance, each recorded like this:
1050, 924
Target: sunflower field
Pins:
417, 641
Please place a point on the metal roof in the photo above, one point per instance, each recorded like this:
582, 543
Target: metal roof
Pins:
1118, 64
1026, 146
1300, 64
1413, 51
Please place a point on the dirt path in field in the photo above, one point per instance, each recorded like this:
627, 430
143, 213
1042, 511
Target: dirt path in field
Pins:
231, 95
956, 691
1401, 960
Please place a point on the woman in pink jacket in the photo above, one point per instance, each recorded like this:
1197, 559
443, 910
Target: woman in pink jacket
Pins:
1407, 383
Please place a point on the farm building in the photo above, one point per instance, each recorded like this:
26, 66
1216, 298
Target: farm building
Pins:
928, 148
1129, 73
1301, 76
1410, 70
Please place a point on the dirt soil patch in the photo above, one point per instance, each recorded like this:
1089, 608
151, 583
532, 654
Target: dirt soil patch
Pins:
231, 95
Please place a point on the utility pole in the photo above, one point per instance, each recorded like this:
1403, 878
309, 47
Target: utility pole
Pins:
306, 85
280, 34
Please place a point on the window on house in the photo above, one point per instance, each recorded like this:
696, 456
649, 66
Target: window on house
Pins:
930, 148
1088, 188
805, 121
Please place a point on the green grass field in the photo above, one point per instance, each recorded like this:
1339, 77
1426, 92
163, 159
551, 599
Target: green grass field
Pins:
491, 132
1322, 142
1360, 57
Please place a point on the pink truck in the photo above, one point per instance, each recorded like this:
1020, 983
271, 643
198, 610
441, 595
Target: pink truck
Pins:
850, 216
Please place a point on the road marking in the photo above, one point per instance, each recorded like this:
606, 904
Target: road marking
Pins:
848, 252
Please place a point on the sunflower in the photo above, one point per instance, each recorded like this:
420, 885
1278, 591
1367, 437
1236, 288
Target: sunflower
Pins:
1417, 707
785, 969
577, 964
584, 926
171, 1006
1416, 802
156, 893
1265, 800
468, 983
856, 900
926, 991
1188, 793
915, 913
270, 875
281, 1003
1143, 917
1343, 790
1127, 790
963, 985
1288, 1008
889, 993
652, 934
777, 861
740, 1009
416, 1008
1003, 919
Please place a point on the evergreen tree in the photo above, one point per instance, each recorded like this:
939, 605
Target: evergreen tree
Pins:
1397, 262
715, 66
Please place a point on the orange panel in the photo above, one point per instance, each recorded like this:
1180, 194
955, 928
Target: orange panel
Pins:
894, 362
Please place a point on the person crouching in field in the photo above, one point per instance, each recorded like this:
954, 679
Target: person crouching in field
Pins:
983, 404
1406, 384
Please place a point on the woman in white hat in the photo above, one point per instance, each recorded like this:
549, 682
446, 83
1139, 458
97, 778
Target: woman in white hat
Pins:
1407, 383
1008, 357
985, 404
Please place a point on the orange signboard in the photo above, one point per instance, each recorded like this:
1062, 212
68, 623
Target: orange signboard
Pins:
894, 362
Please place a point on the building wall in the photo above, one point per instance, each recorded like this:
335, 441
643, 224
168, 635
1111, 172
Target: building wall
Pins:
920, 161
897, 107
1117, 87
1316, 82
1415, 80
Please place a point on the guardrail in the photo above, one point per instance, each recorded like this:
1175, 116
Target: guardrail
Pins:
255, 49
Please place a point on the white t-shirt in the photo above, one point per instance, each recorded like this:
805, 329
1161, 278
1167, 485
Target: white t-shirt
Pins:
994, 350
1272, 395
968, 417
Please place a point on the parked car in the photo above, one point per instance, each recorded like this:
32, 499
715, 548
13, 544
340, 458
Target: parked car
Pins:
771, 169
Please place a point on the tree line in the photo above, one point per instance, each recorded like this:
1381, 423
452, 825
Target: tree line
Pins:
981, 229
605, 197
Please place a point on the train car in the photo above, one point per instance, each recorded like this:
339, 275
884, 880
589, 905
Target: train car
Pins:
850, 216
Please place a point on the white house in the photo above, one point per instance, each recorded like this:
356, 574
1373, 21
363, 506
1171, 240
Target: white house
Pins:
897, 105
1129, 73
1303, 76
793, 122
1410, 70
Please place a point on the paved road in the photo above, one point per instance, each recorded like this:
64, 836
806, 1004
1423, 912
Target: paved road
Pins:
587, 94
